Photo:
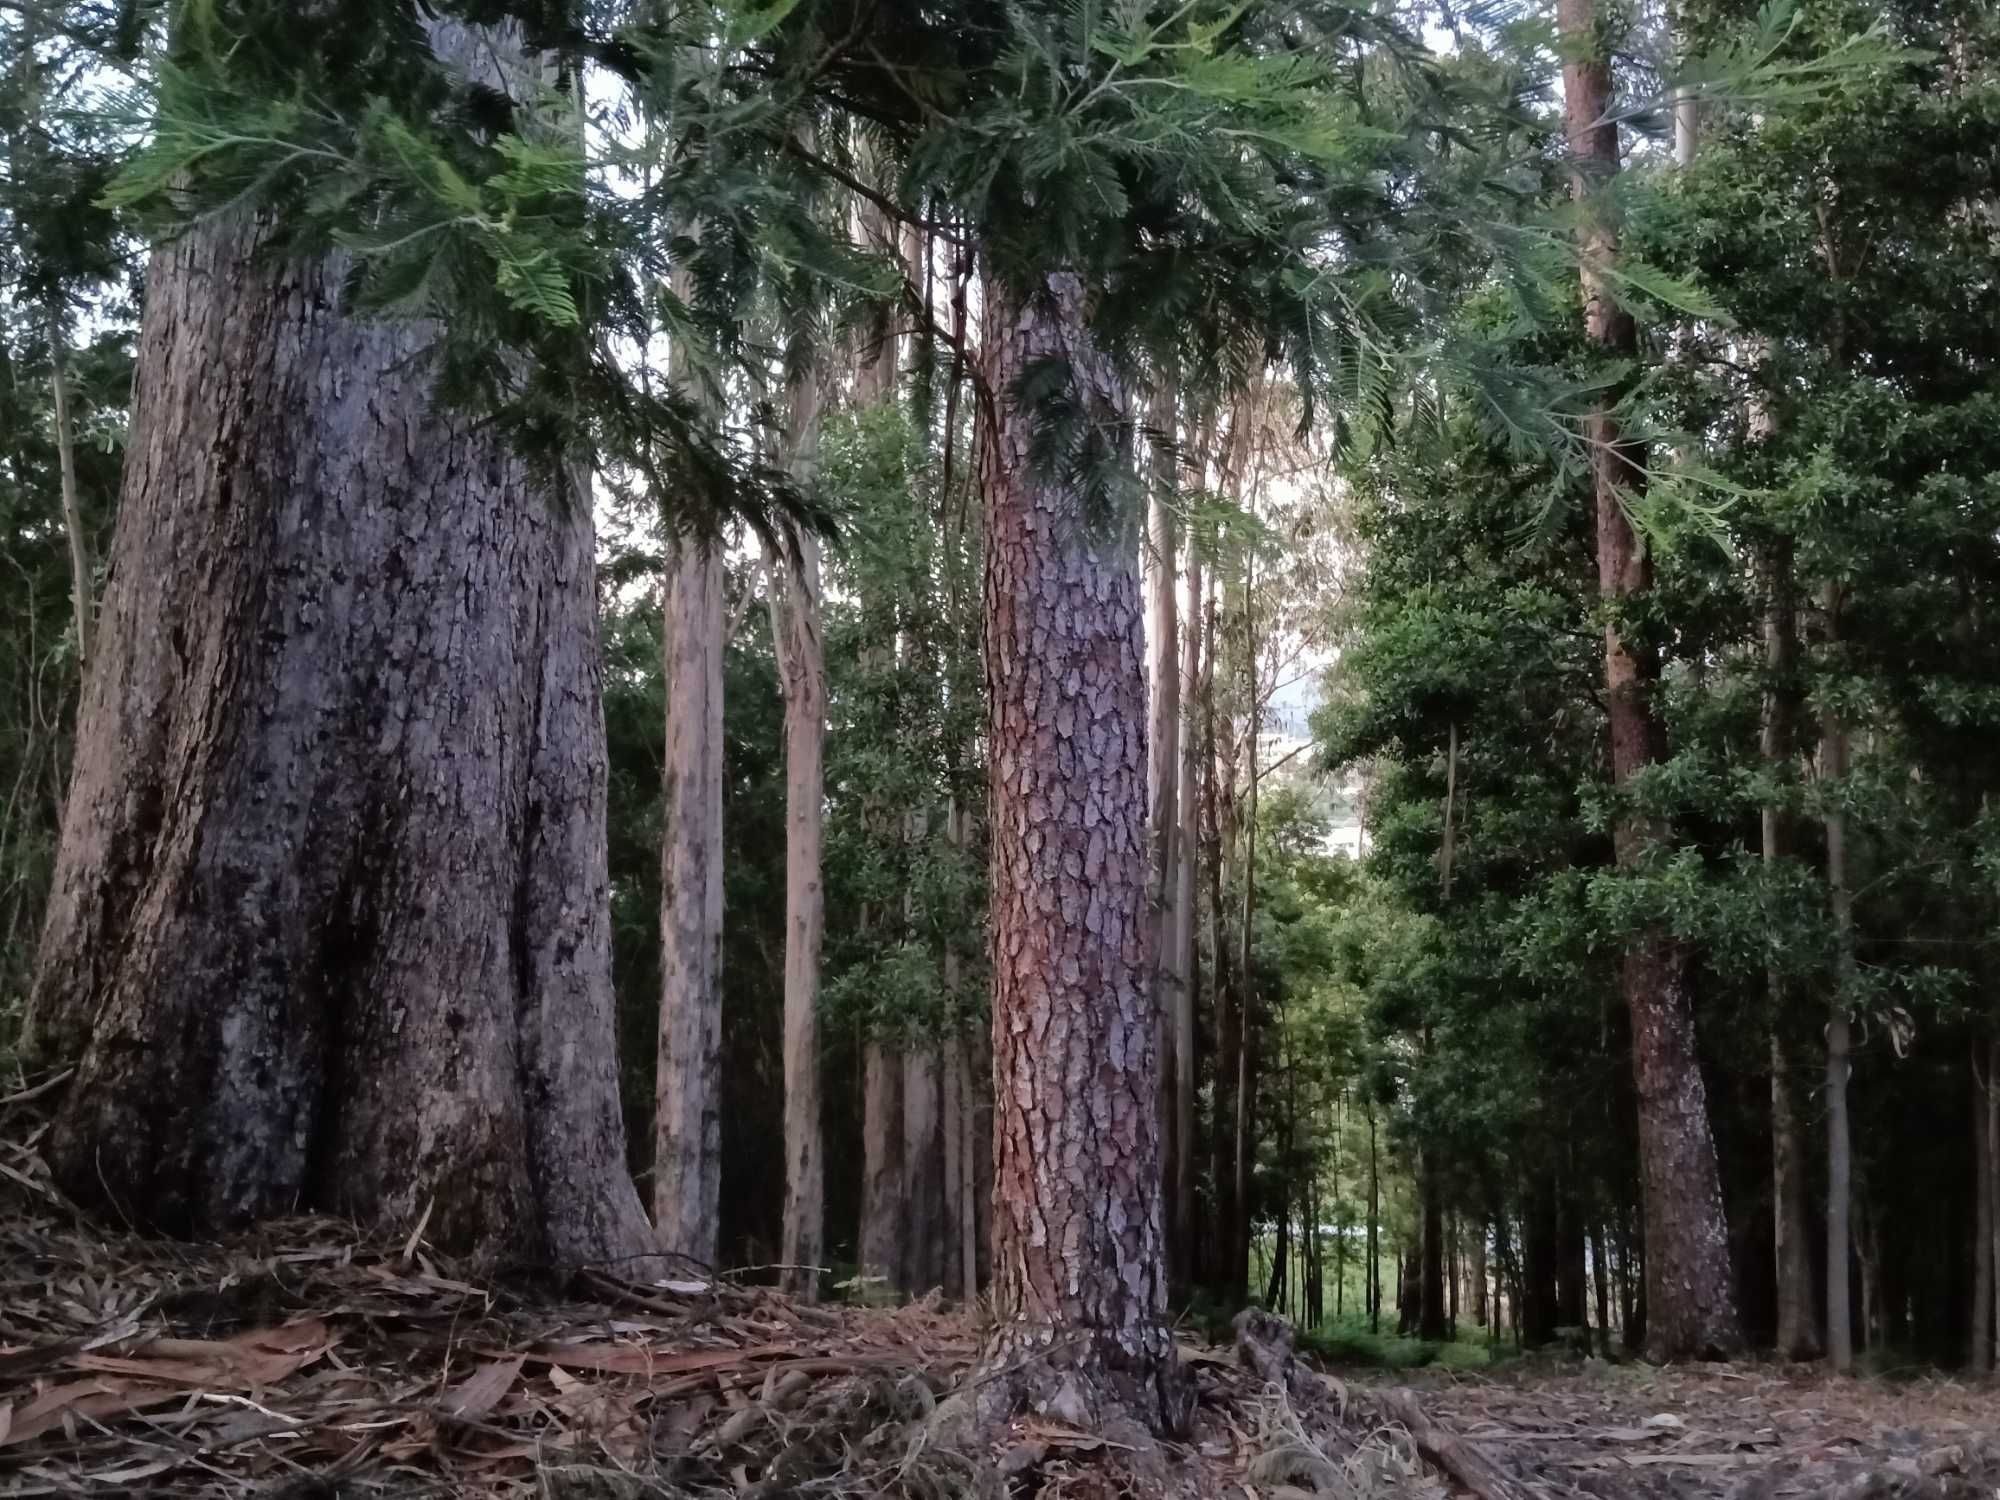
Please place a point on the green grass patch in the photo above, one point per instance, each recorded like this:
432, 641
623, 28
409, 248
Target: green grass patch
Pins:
1352, 1346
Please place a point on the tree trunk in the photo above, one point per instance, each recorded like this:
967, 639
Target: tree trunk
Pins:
1077, 1240
1374, 1229
1430, 1305
1163, 683
687, 1128
1839, 1150
1692, 1310
1477, 1260
923, 1168
1229, 1272
330, 924
1992, 1247
1798, 1336
1980, 1344
81, 566
687, 1120
1186, 959
1600, 1266
796, 641
968, 1206
881, 1170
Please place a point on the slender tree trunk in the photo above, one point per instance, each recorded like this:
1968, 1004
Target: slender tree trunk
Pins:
1798, 1336
1600, 1266
1077, 1254
1186, 960
881, 1169
1246, 1072
1163, 683
1839, 1150
329, 930
1374, 1229
1980, 1344
1991, 1332
1229, 1271
1477, 1258
968, 1206
795, 635
81, 567
1692, 1309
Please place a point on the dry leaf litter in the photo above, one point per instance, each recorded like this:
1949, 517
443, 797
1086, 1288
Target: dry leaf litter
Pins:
308, 1359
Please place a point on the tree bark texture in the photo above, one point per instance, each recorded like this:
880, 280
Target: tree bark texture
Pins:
923, 1168
81, 565
1691, 1305
795, 632
881, 1169
687, 1129
1839, 1042
1078, 1266
329, 926
1186, 960
1798, 1332
1163, 713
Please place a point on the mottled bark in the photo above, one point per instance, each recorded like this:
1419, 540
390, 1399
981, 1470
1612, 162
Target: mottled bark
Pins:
1691, 1305
1077, 1245
1839, 1149
329, 927
881, 1169
795, 634
81, 565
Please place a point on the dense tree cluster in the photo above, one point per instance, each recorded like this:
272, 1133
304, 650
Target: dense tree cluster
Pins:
681, 635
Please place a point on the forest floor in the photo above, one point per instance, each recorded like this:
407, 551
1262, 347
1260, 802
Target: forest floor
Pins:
310, 1360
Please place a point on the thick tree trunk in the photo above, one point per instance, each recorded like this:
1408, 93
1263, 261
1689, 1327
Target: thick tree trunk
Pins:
329, 926
1839, 1149
1163, 715
1692, 1309
923, 1168
881, 1170
795, 633
1077, 1244
1431, 1303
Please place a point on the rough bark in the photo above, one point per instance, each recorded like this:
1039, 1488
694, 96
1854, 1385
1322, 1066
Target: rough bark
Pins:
1691, 1305
795, 634
1839, 1148
1077, 1244
1163, 713
329, 926
881, 1169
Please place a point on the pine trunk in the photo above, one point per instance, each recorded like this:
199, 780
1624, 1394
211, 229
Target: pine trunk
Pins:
1691, 1307
329, 925
1186, 960
1431, 1296
1077, 1242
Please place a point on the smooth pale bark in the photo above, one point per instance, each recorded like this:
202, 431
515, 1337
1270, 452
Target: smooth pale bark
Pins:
330, 919
1690, 1301
1186, 959
1163, 714
795, 633
81, 566
1078, 1271
881, 1169
1839, 1041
